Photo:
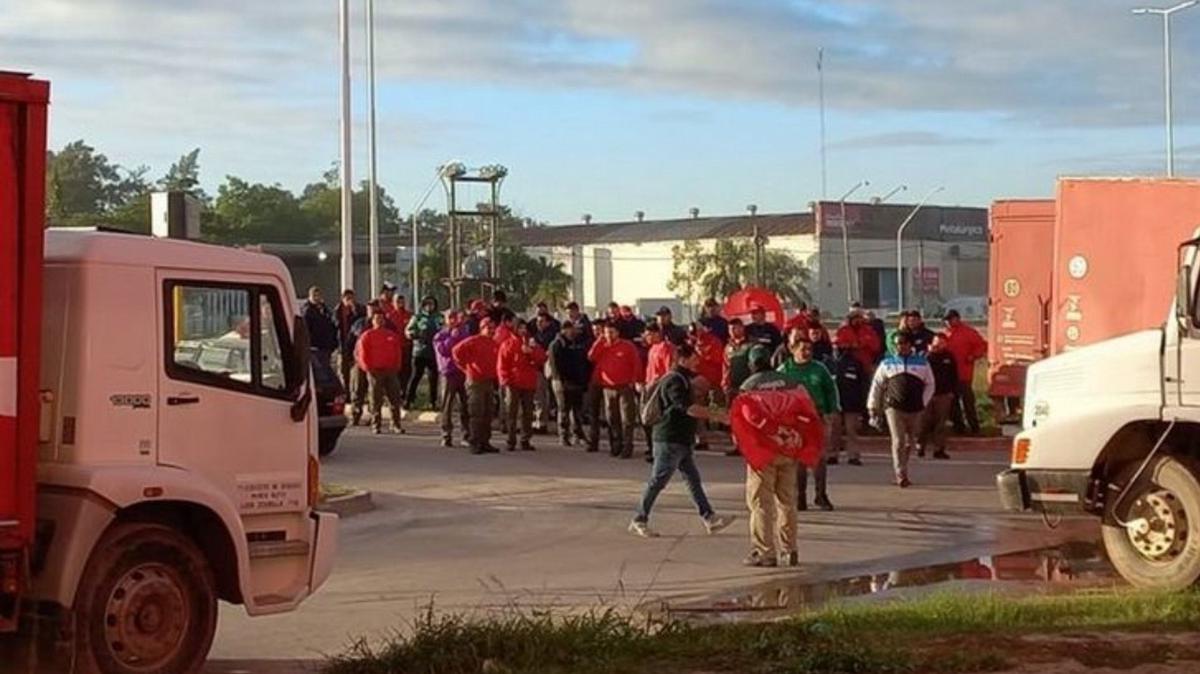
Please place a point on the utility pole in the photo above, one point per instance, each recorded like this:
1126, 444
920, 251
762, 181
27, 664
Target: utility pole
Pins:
760, 243
1166, 13
850, 290
821, 102
900, 250
372, 187
347, 266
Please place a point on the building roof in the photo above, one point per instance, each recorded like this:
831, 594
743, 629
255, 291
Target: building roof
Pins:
684, 229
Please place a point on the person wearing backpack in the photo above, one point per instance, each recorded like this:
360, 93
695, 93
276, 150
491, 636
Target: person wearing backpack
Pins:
671, 407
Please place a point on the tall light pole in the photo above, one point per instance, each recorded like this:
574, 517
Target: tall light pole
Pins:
889, 195
900, 250
759, 243
821, 102
850, 290
372, 183
347, 266
412, 219
1166, 13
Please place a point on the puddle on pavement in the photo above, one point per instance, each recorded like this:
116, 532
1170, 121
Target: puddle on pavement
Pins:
1067, 567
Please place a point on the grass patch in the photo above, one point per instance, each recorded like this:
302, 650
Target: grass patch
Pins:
332, 490
945, 633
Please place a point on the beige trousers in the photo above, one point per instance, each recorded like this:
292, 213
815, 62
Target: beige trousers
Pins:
770, 495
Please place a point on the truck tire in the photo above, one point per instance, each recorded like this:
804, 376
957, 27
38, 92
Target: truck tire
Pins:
1164, 552
146, 603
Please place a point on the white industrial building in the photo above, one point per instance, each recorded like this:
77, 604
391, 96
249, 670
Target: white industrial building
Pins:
945, 254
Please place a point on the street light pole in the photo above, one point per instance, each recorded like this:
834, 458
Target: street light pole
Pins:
1166, 13
372, 187
347, 263
900, 250
850, 290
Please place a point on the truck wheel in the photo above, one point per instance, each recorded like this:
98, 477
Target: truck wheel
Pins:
145, 605
1161, 548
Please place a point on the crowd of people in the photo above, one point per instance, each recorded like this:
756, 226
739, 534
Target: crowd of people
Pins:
620, 376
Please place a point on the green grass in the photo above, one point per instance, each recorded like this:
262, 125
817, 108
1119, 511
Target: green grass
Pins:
927, 635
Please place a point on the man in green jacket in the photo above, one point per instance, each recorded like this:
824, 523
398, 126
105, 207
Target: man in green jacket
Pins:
420, 330
815, 379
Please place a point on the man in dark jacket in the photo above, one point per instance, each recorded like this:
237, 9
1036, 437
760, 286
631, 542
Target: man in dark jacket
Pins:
421, 329
852, 382
322, 332
349, 310
945, 378
674, 437
582, 323
570, 372
760, 331
714, 321
499, 311
675, 334
357, 391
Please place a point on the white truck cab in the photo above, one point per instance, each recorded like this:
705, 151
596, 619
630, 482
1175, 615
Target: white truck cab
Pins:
178, 448
1113, 429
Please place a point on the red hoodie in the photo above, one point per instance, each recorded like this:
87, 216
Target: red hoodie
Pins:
967, 346
617, 364
659, 361
503, 334
517, 368
476, 357
712, 358
378, 350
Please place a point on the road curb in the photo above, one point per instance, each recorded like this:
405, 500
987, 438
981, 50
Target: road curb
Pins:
355, 503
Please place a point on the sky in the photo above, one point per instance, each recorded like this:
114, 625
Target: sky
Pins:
607, 108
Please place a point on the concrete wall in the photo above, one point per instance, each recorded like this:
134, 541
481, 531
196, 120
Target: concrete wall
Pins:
961, 271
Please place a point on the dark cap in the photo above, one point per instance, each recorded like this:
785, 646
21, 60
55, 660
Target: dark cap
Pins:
573, 305
663, 311
952, 314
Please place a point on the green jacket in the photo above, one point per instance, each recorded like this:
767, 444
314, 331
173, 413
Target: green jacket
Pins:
676, 426
421, 329
815, 378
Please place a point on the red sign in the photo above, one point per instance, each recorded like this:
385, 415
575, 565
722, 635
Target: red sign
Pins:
927, 279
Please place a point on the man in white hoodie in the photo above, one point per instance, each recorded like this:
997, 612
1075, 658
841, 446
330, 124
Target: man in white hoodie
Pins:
901, 390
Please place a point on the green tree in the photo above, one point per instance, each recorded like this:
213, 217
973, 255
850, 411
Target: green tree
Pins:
184, 176
246, 212
84, 188
728, 266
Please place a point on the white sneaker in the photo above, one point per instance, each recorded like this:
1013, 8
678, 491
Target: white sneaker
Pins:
642, 529
716, 523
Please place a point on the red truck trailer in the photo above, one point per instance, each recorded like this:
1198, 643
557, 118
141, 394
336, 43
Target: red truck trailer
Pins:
1114, 269
23, 104
1021, 255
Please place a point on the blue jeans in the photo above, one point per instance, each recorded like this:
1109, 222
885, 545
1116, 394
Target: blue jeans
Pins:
667, 459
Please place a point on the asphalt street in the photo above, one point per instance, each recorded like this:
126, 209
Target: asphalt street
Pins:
541, 529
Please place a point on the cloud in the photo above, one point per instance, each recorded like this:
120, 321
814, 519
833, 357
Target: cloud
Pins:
898, 139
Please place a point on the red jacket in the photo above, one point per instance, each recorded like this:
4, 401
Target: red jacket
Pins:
398, 318
476, 357
967, 346
767, 424
379, 350
867, 347
503, 333
517, 368
617, 364
659, 361
712, 358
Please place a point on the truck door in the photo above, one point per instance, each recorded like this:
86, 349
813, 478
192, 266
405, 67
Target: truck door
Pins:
225, 397
1181, 371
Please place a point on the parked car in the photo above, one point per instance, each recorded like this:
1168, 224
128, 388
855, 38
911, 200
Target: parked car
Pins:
331, 405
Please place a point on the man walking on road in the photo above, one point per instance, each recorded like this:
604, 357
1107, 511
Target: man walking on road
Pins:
454, 382
945, 377
519, 362
421, 330
815, 379
476, 357
967, 346
617, 367
378, 354
569, 375
771, 491
674, 435
901, 390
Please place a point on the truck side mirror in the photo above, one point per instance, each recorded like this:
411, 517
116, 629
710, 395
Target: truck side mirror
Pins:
1184, 305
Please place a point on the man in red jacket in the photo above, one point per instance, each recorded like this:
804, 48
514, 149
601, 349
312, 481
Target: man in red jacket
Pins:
617, 366
476, 356
378, 355
519, 361
967, 346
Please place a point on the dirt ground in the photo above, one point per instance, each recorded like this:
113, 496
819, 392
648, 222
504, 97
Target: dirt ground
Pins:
1090, 652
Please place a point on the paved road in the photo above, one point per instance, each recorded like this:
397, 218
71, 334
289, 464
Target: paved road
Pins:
541, 529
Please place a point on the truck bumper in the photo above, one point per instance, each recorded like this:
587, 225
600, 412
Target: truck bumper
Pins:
325, 542
1056, 491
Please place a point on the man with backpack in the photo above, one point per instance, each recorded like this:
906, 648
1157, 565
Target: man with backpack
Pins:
672, 410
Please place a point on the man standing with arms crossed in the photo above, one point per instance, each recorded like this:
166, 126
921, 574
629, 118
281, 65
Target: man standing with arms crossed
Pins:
617, 367
476, 357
